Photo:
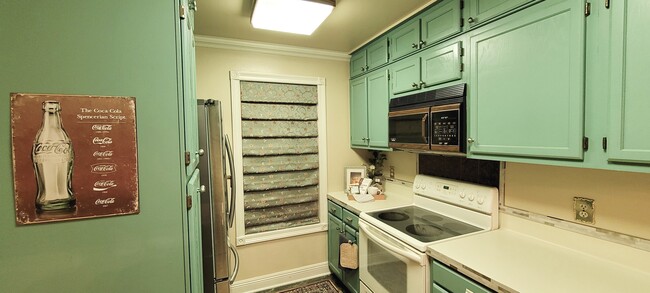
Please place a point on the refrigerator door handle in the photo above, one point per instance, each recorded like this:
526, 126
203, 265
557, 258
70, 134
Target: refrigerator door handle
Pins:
233, 183
235, 270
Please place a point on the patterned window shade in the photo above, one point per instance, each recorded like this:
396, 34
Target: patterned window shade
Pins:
280, 155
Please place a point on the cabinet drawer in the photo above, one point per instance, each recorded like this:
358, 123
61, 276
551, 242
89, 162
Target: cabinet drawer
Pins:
350, 219
453, 281
335, 209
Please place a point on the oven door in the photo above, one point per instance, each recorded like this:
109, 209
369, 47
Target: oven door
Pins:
409, 129
388, 265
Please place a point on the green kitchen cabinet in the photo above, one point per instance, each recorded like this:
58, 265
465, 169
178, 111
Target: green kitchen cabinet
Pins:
446, 280
431, 67
369, 111
189, 88
341, 222
526, 83
628, 139
481, 11
194, 232
369, 57
433, 25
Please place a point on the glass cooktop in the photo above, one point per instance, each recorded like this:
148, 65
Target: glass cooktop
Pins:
423, 225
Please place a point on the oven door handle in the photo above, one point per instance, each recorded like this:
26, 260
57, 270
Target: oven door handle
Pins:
403, 251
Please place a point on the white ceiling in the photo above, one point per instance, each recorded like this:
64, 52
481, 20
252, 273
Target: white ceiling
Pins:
351, 24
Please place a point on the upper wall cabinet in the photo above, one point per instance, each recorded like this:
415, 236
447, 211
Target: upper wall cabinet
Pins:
370, 57
431, 67
480, 11
526, 84
628, 138
435, 24
369, 111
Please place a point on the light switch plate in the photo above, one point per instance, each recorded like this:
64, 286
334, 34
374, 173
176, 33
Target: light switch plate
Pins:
584, 209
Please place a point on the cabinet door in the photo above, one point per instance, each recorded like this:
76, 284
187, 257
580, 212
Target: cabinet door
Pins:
350, 276
628, 138
378, 100
405, 39
377, 53
189, 107
359, 112
483, 10
334, 229
440, 65
441, 21
194, 232
358, 63
405, 75
526, 83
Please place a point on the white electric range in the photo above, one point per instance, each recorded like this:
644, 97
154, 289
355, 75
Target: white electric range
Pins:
393, 242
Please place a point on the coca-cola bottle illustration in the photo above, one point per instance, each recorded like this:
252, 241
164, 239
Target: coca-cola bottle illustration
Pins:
53, 159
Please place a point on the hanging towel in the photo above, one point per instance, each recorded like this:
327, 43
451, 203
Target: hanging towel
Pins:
348, 253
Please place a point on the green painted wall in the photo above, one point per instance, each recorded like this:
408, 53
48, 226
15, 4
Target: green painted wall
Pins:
121, 48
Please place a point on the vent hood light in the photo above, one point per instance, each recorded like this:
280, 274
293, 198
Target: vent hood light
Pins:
291, 16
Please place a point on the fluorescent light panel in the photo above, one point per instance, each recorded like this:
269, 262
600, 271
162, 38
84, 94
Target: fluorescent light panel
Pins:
291, 16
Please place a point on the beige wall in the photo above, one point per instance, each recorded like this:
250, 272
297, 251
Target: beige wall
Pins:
213, 67
405, 165
621, 198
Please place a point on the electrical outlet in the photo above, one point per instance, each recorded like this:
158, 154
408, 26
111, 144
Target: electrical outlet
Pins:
392, 172
584, 209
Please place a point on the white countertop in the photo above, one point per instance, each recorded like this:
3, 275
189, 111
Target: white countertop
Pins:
397, 194
527, 256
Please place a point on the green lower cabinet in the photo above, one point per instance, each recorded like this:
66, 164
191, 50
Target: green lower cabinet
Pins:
369, 111
628, 139
526, 84
446, 280
335, 228
345, 225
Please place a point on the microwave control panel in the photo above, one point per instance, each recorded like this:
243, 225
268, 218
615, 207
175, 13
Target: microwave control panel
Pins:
445, 127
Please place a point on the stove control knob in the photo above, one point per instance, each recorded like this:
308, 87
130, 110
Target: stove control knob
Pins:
462, 195
424, 186
471, 197
480, 199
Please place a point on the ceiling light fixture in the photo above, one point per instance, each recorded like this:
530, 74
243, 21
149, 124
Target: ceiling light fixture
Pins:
291, 16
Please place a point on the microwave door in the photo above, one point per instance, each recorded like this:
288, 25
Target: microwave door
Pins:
409, 129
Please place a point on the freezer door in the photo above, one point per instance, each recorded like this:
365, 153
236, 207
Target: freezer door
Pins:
214, 204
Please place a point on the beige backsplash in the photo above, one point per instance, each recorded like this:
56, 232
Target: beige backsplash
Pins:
622, 199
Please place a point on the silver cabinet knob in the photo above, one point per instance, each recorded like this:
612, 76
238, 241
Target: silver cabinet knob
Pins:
422, 43
201, 152
414, 45
470, 140
363, 69
422, 84
471, 20
193, 5
415, 85
202, 188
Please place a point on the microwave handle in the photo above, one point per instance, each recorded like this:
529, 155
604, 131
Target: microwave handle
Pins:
425, 134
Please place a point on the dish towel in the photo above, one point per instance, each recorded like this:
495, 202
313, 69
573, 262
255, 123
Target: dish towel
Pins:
348, 253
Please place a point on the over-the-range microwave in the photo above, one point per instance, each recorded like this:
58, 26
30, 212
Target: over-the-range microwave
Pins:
432, 121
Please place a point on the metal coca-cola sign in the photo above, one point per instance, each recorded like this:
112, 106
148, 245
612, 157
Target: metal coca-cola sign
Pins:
75, 157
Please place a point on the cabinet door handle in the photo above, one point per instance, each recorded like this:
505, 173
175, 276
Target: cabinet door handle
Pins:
422, 84
414, 45
470, 140
367, 67
422, 43
415, 85
471, 20
348, 219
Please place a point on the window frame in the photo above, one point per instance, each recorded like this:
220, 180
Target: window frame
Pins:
236, 77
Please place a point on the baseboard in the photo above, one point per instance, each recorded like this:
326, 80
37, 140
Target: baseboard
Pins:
280, 278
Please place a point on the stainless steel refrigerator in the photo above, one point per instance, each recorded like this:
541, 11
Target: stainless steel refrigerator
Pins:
217, 207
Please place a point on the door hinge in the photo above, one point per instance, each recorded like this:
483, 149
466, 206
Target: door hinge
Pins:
587, 8
182, 11
605, 143
462, 51
462, 67
188, 199
188, 158
607, 4
462, 4
462, 22
585, 143
389, 76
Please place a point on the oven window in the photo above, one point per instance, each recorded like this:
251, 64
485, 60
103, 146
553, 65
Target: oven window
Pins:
409, 129
386, 269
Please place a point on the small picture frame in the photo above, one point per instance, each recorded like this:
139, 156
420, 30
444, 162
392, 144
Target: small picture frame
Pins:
353, 177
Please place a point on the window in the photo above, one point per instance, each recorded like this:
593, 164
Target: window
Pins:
279, 150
